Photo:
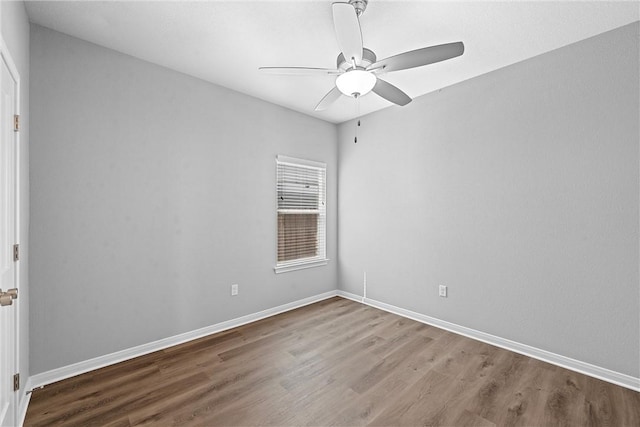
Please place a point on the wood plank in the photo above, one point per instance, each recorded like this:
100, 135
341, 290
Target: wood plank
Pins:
369, 405
389, 364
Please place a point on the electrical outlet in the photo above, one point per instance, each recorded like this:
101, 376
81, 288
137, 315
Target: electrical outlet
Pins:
443, 291
234, 289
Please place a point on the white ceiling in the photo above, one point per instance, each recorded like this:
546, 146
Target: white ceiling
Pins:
225, 42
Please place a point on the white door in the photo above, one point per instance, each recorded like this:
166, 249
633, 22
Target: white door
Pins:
8, 267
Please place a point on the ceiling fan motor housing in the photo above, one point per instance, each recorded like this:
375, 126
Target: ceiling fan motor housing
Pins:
368, 58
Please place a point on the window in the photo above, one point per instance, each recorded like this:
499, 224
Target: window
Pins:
301, 205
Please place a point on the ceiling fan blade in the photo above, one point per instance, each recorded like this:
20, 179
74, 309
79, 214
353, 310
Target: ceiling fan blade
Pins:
329, 99
391, 93
348, 33
419, 57
299, 71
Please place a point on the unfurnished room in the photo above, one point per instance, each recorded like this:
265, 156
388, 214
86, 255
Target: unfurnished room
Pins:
319, 213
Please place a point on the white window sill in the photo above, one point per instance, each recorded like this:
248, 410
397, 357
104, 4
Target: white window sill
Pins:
300, 266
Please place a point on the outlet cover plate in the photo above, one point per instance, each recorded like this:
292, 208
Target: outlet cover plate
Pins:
442, 291
234, 290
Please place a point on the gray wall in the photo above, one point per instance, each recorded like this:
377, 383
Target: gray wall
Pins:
152, 192
15, 32
517, 189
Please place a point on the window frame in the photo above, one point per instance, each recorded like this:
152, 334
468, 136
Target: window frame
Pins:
321, 258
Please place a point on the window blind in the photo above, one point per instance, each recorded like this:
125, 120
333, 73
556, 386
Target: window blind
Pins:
301, 208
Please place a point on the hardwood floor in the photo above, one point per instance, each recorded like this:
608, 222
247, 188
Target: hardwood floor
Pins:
334, 363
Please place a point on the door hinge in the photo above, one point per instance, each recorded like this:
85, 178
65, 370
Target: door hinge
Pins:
16, 252
16, 382
16, 122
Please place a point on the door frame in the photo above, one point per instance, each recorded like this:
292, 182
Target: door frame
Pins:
5, 56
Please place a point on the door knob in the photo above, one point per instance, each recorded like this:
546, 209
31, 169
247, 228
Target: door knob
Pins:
13, 293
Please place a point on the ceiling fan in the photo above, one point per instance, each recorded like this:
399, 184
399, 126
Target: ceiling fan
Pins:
357, 67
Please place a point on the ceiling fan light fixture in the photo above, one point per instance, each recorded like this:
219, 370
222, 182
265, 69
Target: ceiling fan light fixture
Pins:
356, 82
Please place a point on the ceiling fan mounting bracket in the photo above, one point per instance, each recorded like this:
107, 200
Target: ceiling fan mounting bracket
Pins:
359, 5
368, 58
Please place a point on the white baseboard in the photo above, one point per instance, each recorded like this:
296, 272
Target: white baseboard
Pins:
546, 356
48, 377
25, 398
